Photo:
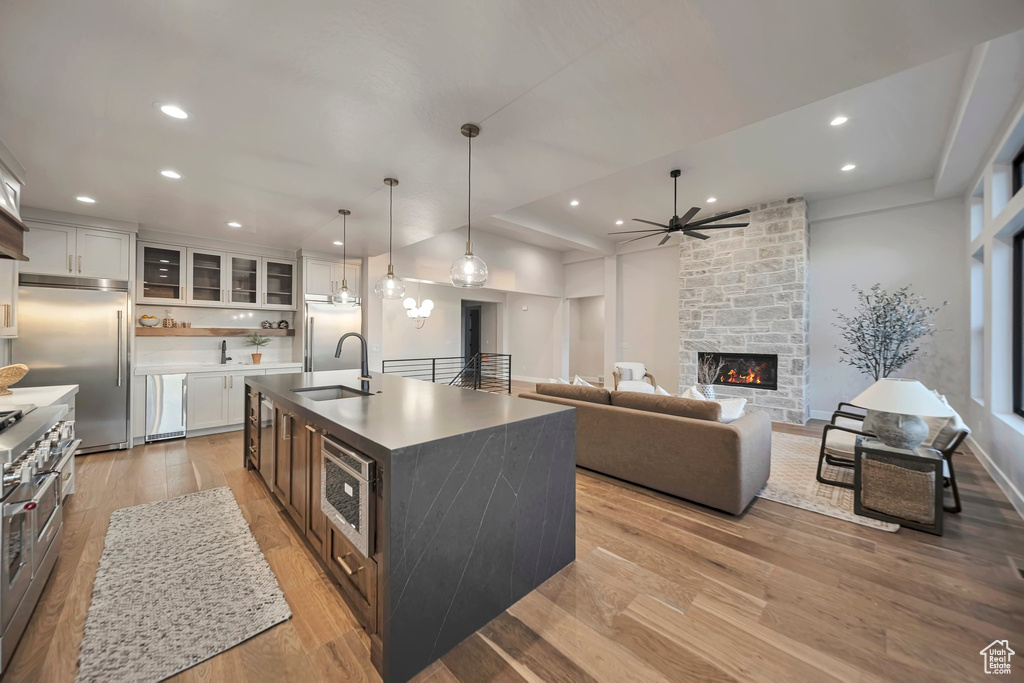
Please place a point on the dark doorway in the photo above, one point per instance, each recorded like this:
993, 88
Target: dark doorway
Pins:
470, 331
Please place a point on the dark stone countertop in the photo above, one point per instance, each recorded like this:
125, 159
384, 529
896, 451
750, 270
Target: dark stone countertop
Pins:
406, 412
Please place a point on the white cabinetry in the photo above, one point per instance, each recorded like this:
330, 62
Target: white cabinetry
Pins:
102, 254
207, 400
279, 283
217, 399
324, 278
205, 278
160, 277
8, 298
81, 252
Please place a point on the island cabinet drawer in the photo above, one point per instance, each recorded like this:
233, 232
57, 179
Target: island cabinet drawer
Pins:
355, 574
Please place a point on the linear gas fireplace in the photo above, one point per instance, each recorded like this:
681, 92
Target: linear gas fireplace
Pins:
754, 370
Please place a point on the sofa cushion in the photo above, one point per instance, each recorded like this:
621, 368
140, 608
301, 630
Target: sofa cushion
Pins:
668, 405
575, 393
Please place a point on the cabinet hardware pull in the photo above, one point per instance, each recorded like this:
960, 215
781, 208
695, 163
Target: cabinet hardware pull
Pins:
119, 377
345, 568
71, 267
284, 428
79, 264
7, 315
312, 429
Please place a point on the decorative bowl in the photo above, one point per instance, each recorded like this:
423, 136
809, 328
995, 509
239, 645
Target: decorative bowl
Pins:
9, 375
149, 322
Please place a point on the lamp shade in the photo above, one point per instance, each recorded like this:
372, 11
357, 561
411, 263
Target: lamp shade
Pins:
903, 397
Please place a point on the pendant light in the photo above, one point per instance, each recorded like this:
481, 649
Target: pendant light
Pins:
469, 271
390, 286
343, 297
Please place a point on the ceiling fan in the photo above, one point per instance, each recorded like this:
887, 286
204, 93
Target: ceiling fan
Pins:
682, 223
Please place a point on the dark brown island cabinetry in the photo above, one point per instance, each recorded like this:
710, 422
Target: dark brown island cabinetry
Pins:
453, 504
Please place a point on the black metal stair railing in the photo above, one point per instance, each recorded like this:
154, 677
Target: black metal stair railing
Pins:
484, 371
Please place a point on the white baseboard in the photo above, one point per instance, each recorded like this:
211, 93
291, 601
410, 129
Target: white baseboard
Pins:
1011, 492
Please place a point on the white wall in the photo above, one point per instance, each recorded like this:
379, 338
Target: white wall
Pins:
535, 335
920, 245
648, 312
586, 336
441, 334
584, 278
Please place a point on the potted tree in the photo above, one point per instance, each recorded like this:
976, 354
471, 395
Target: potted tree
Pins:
257, 341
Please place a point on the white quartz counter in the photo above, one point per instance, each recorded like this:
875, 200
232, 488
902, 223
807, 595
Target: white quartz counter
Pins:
215, 367
40, 396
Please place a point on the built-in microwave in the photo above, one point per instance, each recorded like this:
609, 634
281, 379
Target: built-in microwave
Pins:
346, 493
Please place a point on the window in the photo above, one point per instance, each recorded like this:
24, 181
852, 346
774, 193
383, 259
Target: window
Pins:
1018, 323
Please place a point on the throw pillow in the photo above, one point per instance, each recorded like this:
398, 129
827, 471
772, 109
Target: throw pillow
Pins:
942, 430
732, 408
693, 394
552, 380
580, 382
636, 387
661, 392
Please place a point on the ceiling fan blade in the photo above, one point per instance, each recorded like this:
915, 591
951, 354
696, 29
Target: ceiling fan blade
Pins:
664, 239
641, 220
638, 238
699, 236
689, 214
720, 217
715, 227
628, 232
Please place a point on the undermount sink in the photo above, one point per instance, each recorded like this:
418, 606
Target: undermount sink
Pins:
329, 393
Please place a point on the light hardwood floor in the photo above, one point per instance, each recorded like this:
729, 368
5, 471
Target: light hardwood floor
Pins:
662, 590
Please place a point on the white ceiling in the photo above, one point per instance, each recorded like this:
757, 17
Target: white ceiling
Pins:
301, 108
894, 134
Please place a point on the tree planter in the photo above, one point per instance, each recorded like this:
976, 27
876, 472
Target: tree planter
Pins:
256, 358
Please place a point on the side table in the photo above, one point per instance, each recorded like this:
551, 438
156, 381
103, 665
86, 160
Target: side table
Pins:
898, 485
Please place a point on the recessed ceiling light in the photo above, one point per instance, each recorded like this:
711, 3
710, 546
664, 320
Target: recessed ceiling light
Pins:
618, 222
848, 167
838, 121
338, 243
174, 111
85, 200
574, 202
234, 224
170, 174
712, 200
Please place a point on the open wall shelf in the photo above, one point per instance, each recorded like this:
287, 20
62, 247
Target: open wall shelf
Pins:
209, 332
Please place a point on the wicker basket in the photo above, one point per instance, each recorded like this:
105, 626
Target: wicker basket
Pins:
9, 375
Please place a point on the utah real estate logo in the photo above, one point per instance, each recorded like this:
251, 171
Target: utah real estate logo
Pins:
997, 657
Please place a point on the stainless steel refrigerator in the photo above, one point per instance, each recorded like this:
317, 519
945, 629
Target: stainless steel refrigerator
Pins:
76, 331
325, 323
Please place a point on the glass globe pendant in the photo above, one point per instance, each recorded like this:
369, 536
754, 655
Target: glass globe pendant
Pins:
390, 286
343, 297
469, 271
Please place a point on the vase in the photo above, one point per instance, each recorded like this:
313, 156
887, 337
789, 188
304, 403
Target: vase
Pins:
708, 390
900, 431
256, 358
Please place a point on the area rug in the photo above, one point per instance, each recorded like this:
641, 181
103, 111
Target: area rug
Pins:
793, 481
179, 581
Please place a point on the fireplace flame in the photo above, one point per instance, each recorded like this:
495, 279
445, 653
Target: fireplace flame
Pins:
750, 377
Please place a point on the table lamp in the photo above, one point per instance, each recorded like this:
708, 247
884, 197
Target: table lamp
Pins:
899, 405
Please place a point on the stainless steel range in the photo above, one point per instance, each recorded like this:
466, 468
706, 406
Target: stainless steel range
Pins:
37, 454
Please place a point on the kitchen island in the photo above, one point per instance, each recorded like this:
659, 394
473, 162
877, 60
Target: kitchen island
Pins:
434, 508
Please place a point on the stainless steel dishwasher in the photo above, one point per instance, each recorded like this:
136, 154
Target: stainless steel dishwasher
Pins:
166, 399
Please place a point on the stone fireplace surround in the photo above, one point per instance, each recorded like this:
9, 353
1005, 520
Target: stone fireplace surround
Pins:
745, 291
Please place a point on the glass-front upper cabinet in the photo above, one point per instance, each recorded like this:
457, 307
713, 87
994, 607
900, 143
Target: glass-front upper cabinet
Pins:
206, 282
161, 273
246, 286
279, 283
